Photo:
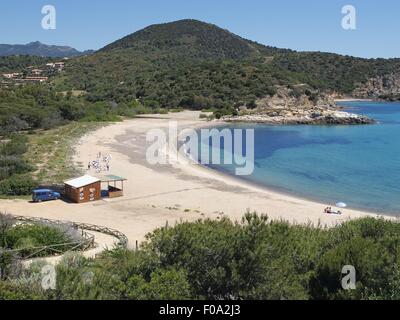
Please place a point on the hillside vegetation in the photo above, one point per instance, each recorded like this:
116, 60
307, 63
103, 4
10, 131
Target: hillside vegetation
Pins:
196, 65
30, 157
183, 64
21, 62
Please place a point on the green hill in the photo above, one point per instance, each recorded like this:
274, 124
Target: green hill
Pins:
190, 40
193, 64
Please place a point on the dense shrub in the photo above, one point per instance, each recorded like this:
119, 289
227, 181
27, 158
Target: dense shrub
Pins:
21, 291
16, 145
12, 165
14, 169
17, 185
256, 259
39, 107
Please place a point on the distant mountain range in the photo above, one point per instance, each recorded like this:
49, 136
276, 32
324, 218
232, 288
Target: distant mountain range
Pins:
42, 50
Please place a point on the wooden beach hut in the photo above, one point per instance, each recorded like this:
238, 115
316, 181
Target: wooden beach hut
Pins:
83, 189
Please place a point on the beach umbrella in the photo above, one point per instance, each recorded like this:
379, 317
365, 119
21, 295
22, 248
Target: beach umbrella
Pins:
341, 205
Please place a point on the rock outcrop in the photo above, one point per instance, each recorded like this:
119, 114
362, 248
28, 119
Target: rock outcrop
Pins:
289, 107
385, 87
325, 118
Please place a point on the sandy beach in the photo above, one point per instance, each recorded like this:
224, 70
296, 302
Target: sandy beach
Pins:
173, 193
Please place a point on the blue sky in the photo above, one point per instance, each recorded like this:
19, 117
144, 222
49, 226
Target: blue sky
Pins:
309, 25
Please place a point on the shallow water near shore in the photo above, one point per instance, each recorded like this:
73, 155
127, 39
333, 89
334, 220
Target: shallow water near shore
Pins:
359, 165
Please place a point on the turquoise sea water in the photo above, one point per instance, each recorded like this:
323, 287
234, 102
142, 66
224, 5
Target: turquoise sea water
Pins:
358, 165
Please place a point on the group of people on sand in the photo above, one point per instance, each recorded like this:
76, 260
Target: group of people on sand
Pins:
329, 210
102, 163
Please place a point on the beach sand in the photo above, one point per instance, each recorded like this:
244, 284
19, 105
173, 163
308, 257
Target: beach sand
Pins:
173, 193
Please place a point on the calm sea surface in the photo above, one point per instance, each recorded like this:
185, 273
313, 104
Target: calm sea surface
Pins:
359, 165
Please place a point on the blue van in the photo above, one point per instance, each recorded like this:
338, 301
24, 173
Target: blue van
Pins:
40, 195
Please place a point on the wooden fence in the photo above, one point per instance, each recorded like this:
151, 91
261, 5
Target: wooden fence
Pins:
87, 241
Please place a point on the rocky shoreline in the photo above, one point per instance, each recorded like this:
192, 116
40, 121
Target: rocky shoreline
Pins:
385, 88
324, 118
297, 106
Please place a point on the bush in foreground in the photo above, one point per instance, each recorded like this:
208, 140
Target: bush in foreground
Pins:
255, 259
